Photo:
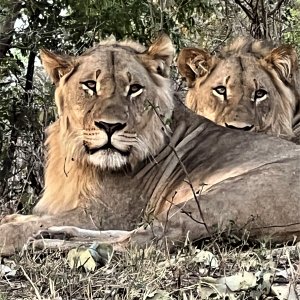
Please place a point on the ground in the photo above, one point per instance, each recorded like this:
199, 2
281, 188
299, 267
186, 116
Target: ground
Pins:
214, 269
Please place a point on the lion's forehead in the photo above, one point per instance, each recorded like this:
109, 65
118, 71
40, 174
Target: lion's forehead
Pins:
110, 62
240, 72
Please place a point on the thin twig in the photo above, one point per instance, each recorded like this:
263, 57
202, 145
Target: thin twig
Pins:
277, 7
189, 214
32, 284
65, 167
189, 182
168, 211
245, 9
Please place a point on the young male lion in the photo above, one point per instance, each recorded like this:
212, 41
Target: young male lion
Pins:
250, 85
124, 148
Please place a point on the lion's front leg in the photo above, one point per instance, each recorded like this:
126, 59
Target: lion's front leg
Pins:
14, 235
61, 231
15, 230
18, 218
67, 237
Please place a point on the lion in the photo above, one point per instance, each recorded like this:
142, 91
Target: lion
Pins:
250, 85
128, 163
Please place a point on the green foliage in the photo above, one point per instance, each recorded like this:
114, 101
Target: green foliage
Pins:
2, 297
292, 16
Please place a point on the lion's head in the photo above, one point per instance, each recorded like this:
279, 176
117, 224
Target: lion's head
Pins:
112, 101
250, 85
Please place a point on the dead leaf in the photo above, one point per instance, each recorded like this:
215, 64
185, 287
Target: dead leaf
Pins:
284, 292
6, 271
207, 258
218, 288
81, 258
90, 258
158, 295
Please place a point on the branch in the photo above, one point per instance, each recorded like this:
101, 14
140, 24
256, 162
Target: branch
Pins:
277, 7
188, 181
245, 9
161, 15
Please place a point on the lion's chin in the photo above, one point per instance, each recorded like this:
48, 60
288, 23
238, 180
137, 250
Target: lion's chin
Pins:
108, 159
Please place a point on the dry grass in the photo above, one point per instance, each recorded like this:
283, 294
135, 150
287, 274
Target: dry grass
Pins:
153, 273
146, 274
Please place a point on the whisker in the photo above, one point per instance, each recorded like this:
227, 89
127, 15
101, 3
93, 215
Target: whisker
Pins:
127, 135
142, 145
125, 140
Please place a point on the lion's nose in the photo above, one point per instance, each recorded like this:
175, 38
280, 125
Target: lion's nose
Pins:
110, 128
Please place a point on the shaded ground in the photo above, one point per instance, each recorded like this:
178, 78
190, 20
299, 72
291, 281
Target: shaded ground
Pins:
260, 273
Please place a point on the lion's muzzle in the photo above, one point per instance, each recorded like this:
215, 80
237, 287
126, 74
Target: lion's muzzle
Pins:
109, 129
244, 127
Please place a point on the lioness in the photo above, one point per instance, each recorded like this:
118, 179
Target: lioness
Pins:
125, 150
250, 85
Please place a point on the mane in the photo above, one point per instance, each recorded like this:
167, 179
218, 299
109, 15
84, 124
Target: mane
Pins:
67, 183
247, 46
282, 112
127, 45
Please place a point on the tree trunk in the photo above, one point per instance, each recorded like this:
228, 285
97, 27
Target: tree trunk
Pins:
17, 123
6, 171
33, 180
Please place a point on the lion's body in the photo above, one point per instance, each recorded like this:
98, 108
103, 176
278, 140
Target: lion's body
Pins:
251, 85
102, 174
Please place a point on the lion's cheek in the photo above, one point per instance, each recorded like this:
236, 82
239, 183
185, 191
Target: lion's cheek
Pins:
212, 110
76, 108
264, 108
145, 120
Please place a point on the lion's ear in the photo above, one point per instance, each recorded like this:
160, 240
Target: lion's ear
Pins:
56, 65
284, 60
160, 55
193, 63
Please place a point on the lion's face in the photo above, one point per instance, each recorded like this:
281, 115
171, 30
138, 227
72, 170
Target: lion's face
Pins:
242, 89
233, 95
113, 101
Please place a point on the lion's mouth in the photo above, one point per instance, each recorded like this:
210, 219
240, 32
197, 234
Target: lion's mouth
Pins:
108, 148
244, 128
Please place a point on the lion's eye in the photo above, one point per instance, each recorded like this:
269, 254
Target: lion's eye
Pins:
135, 90
220, 91
89, 85
260, 95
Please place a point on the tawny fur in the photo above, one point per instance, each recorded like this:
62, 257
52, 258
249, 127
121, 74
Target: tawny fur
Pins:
70, 179
125, 152
242, 68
